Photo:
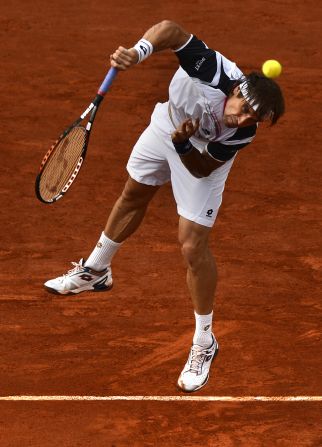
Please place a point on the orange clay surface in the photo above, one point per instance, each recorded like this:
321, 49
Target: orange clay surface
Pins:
135, 339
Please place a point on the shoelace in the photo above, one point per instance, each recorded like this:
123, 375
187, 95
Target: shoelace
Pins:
78, 266
196, 359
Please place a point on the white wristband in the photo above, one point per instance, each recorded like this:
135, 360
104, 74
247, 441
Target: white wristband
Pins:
144, 49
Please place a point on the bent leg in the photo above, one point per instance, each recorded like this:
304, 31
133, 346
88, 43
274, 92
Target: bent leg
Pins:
125, 217
95, 273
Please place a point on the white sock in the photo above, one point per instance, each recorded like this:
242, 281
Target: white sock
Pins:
103, 253
203, 333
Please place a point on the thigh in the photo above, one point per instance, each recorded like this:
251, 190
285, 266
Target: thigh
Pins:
198, 199
138, 193
148, 162
193, 233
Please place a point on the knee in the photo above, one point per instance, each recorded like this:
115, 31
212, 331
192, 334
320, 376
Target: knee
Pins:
134, 197
129, 198
194, 254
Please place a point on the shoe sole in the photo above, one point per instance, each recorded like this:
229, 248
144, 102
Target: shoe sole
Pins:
206, 379
76, 291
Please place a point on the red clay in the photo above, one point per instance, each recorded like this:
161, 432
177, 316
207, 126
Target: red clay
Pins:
135, 338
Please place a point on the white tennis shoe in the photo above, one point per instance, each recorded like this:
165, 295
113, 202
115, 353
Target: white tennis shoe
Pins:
79, 279
195, 373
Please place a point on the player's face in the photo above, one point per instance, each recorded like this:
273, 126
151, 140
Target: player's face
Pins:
238, 113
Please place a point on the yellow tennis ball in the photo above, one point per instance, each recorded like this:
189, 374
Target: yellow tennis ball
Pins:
271, 68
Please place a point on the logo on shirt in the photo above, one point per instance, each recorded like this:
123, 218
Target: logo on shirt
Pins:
199, 63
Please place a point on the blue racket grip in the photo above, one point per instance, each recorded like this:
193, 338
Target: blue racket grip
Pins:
106, 84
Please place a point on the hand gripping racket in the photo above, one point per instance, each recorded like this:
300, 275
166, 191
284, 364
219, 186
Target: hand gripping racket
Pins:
62, 163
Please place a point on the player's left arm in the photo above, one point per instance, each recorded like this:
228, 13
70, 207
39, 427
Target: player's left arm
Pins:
202, 164
162, 36
198, 164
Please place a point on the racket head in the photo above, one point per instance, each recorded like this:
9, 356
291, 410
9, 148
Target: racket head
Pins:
61, 164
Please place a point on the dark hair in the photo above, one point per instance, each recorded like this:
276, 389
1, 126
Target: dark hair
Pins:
267, 94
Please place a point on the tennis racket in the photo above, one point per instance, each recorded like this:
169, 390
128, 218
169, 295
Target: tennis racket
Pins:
62, 163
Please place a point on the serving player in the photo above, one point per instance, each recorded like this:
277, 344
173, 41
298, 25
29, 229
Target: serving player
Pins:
212, 113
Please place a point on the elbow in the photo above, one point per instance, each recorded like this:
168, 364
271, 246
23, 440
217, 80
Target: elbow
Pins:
199, 174
175, 34
168, 25
196, 175
204, 172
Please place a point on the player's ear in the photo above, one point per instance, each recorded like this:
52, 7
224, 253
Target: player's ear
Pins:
236, 90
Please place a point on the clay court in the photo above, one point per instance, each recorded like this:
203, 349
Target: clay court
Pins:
133, 340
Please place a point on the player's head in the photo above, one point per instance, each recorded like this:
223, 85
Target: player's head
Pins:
255, 98
263, 95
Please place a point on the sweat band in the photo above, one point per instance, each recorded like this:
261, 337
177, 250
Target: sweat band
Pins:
144, 49
182, 148
244, 90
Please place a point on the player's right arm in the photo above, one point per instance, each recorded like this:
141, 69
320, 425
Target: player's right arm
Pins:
164, 35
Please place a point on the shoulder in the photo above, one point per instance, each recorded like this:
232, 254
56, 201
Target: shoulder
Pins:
208, 65
225, 150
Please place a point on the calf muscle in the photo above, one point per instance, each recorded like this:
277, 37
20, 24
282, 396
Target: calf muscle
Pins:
129, 210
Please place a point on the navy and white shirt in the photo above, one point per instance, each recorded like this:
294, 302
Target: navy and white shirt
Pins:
199, 89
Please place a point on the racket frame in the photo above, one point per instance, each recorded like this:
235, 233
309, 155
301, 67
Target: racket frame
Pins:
92, 109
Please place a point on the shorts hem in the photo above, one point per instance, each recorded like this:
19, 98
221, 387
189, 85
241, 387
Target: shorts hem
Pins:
197, 219
142, 180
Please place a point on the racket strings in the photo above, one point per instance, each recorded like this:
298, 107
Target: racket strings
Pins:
62, 163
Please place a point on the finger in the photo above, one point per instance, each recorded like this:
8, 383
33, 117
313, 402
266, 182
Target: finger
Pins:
121, 59
124, 54
185, 122
196, 125
189, 127
116, 64
192, 126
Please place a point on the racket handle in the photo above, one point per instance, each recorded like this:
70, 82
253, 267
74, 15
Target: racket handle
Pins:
106, 84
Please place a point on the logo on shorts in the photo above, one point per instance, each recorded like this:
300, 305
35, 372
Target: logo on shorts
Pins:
209, 212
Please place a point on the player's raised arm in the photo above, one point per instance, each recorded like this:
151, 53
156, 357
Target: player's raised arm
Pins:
165, 35
162, 36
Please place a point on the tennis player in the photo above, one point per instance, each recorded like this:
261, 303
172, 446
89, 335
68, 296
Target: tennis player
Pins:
212, 113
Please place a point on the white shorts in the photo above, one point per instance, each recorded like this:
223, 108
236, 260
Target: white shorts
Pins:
154, 161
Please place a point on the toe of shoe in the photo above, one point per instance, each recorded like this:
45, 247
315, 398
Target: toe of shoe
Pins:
52, 286
186, 385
